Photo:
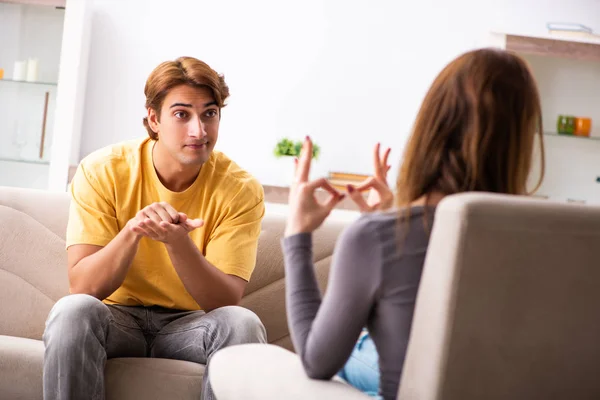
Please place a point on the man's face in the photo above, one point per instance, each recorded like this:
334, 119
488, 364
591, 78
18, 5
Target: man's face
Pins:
188, 126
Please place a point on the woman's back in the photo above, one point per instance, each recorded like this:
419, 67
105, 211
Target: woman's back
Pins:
374, 281
475, 131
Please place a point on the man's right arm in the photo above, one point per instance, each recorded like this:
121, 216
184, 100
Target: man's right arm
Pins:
99, 271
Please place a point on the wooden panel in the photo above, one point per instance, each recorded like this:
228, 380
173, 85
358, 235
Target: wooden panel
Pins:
52, 3
348, 176
72, 170
550, 47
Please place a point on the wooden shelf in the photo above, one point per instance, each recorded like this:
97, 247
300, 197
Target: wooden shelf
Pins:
12, 81
24, 161
554, 46
593, 138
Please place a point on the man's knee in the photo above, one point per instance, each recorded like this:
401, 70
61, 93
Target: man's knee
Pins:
243, 325
74, 313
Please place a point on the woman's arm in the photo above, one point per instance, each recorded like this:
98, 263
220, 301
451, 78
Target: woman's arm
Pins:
325, 331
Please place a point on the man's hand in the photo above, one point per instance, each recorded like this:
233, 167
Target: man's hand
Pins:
161, 222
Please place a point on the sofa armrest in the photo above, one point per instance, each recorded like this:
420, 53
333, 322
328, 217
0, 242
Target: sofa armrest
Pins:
268, 372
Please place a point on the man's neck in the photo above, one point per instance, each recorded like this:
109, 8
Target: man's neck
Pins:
172, 174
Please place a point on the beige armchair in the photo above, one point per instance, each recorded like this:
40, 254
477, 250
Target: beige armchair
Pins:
507, 309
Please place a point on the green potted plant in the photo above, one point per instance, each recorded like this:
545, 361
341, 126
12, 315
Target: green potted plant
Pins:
288, 148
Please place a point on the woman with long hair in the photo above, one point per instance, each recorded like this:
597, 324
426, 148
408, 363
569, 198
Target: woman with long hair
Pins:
475, 131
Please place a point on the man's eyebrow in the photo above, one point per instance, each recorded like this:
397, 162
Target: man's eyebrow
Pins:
212, 103
180, 105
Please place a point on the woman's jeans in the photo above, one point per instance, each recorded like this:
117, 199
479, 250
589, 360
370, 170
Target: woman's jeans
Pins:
362, 368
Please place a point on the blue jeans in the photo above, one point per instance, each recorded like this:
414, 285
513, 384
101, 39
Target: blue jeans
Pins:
362, 368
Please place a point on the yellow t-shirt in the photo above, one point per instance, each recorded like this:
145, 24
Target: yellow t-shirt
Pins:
112, 184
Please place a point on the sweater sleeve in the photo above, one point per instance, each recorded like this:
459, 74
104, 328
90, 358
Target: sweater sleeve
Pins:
324, 331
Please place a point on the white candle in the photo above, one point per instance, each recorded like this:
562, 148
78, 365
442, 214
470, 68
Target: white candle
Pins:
33, 67
20, 70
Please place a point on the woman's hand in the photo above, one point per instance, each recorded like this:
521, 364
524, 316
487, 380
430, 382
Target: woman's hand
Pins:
380, 195
306, 212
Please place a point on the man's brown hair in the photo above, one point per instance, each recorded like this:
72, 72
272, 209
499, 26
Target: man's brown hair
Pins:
183, 71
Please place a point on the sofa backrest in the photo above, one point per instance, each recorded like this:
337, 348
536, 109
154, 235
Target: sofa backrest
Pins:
265, 294
508, 302
33, 272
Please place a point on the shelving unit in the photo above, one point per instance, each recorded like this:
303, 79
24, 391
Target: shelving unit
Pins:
554, 46
581, 48
26, 119
40, 122
567, 71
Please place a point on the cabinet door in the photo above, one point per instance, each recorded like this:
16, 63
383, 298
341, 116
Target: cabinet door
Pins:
26, 119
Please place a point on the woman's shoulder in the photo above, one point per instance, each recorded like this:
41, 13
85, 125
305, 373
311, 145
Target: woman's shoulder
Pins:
379, 219
383, 226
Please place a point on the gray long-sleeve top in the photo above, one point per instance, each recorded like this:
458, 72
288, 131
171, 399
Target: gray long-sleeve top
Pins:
373, 282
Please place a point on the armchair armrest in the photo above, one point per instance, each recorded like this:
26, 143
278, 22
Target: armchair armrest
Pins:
268, 372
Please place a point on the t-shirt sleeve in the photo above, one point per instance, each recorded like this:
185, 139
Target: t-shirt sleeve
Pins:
92, 215
325, 331
233, 245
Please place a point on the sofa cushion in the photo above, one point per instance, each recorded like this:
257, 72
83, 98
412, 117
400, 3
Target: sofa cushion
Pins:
21, 368
152, 378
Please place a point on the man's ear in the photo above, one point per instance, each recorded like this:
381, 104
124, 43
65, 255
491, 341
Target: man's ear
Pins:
153, 120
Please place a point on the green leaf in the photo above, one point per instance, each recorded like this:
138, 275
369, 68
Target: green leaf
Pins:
286, 147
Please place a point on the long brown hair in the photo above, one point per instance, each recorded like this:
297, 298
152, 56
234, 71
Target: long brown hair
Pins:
475, 130
183, 71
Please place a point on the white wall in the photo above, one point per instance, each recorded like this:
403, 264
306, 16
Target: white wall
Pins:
349, 73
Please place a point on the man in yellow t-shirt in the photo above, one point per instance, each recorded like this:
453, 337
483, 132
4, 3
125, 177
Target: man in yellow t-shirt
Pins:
161, 242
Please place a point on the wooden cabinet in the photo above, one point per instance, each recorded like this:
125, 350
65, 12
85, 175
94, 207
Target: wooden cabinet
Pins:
567, 71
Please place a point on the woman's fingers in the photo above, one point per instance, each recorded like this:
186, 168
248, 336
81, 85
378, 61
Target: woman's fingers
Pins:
379, 186
357, 197
380, 165
322, 183
384, 163
303, 166
376, 160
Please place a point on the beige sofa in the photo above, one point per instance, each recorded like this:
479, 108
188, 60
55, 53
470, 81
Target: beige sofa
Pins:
508, 308
33, 277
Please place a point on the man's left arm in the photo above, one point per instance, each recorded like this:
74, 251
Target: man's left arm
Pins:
220, 278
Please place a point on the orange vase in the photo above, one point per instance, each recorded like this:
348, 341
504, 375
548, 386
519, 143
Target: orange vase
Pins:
583, 126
